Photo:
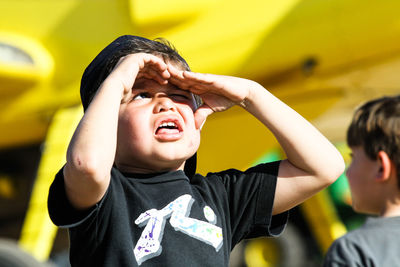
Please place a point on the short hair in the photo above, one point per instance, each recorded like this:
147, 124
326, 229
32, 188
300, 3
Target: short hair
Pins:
376, 127
105, 61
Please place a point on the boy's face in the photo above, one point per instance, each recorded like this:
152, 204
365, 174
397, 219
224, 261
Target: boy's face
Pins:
361, 175
156, 128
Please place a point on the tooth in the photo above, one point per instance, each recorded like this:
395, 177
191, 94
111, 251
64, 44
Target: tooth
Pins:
168, 124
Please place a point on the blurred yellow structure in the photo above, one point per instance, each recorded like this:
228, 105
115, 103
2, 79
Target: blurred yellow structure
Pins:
38, 233
321, 57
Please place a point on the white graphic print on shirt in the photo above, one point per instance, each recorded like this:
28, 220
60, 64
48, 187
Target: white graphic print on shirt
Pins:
149, 244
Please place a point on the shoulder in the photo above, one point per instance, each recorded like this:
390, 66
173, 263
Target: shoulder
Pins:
346, 243
263, 169
342, 252
255, 181
363, 246
353, 247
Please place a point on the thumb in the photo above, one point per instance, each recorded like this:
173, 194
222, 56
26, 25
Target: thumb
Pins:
201, 115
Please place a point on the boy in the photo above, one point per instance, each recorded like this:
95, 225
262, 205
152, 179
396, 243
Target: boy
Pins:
373, 175
128, 192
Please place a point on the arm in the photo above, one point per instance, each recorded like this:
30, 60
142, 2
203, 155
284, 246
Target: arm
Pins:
91, 152
312, 161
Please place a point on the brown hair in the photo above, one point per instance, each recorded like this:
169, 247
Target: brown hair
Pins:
376, 127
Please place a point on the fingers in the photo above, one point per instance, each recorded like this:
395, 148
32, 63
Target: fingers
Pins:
195, 82
202, 78
154, 68
177, 77
142, 65
152, 74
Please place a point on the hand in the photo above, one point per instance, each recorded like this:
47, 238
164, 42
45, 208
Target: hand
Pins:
218, 92
139, 65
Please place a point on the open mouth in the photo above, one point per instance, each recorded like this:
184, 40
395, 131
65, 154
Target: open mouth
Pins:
168, 127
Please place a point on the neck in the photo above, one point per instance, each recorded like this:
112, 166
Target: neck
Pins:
392, 208
144, 170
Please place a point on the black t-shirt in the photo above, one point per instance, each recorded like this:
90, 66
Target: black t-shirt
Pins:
169, 220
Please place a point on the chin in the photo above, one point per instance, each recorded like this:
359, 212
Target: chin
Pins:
364, 210
175, 155
170, 163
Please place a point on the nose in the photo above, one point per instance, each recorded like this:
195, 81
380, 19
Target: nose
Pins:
163, 104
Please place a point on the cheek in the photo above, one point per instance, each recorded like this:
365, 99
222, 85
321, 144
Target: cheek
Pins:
195, 142
349, 172
355, 175
130, 127
350, 175
353, 169
188, 116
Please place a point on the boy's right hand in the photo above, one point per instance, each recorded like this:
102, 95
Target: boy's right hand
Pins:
91, 152
134, 66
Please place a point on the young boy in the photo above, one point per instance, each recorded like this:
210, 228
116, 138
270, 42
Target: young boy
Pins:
373, 175
128, 192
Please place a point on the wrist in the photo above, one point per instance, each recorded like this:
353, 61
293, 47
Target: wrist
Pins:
113, 86
254, 92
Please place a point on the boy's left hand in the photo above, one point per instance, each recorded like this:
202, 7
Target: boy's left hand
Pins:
218, 92
312, 161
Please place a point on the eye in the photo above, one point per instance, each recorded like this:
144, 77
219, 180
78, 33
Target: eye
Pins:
179, 97
141, 95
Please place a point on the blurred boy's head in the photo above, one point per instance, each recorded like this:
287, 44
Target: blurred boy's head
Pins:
374, 138
99, 69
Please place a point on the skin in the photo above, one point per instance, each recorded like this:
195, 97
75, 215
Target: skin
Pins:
373, 184
111, 130
362, 178
312, 161
160, 149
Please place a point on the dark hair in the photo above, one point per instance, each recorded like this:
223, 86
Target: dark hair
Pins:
376, 127
105, 61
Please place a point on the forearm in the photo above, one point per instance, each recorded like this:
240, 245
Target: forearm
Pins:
91, 152
94, 142
311, 158
304, 145
312, 161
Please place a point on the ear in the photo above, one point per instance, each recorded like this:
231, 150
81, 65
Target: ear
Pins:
385, 166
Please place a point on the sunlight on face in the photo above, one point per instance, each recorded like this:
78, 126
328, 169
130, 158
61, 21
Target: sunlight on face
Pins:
156, 128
